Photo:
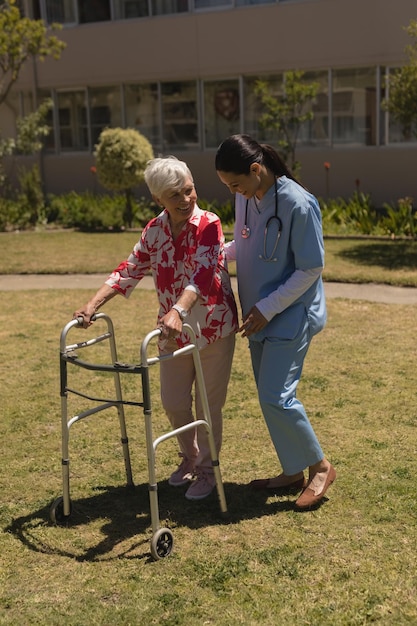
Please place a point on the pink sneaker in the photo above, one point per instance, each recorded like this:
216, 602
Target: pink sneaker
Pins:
201, 487
183, 474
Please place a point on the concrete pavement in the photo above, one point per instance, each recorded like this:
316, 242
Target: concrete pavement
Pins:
371, 292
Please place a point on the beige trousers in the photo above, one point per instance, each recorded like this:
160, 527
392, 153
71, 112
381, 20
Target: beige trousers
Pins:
178, 391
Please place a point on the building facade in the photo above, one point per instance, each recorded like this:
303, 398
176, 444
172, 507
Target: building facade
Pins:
183, 73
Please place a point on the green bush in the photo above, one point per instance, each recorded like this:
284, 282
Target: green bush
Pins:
357, 215
225, 211
400, 219
31, 197
90, 212
87, 211
121, 157
24, 208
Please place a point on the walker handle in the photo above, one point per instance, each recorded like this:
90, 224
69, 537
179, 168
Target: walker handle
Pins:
80, 319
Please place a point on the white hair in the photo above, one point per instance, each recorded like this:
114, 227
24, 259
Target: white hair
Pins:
166, 173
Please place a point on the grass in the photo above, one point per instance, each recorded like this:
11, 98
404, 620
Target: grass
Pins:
347, 260
350, 562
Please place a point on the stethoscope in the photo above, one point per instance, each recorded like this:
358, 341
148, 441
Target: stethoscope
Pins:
245, 232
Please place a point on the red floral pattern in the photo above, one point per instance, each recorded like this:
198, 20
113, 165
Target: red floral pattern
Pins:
196, 258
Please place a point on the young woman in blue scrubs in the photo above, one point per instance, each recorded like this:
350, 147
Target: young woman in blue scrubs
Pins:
279, 253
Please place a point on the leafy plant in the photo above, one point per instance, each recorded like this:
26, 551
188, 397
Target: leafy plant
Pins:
88, 211
91, 212
402, 85
286, 112
225, 210
400, 219
31, 196
121, 157
355, 215
21, 39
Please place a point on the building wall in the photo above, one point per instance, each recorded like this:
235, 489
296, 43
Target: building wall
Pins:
261, 39
386, 174
310, 34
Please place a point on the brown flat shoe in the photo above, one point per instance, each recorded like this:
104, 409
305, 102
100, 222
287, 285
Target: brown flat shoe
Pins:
309, 498
265, 484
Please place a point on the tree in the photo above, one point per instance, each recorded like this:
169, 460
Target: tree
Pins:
286, 112
121, 158
30, 132
21, 39
401, 102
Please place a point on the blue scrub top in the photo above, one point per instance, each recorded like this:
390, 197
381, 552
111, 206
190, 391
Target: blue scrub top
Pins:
300, 247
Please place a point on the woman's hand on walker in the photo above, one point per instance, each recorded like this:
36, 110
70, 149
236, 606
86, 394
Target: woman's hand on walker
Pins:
170, 325
85, 316
253, 323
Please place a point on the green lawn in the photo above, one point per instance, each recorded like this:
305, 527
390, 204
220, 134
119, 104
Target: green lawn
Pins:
347, 260
350, 562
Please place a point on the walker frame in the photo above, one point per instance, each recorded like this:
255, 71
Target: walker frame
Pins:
162, 540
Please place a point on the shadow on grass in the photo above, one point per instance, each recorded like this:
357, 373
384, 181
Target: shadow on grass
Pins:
126, 515
391, 255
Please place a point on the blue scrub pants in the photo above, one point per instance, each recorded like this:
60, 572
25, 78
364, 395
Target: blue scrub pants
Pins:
277, 366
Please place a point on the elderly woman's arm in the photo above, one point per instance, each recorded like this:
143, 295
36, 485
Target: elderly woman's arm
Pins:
103, 295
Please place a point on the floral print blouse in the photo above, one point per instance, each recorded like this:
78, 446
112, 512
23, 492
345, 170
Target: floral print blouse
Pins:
195, 260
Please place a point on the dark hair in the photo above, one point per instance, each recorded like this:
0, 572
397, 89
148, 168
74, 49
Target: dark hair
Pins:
238, 152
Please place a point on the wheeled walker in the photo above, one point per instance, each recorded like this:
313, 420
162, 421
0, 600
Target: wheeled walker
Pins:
162, 538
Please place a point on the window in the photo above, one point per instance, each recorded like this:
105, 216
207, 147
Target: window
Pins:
316, 131
93, 11
253, 108
142, 111
71, 116
251, 2
62, 11
179, 115
354, 106
164, 7
221, 111
208, 4
126, 9
395, 132
74, 11
105, 111
311, 132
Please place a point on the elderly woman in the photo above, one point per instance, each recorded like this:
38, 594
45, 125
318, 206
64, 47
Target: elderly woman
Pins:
183, 247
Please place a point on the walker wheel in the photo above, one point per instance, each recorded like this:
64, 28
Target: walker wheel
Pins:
162, 543
56, 512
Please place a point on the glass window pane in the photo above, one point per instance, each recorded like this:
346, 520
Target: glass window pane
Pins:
93, 11
71, 120
126, 9
251, 2
142, 111
164, 7
354, 106
61, 11
311, 132
395, 131
221, 111
179, 114
207, 4
316, 131
253, 108
105, 110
